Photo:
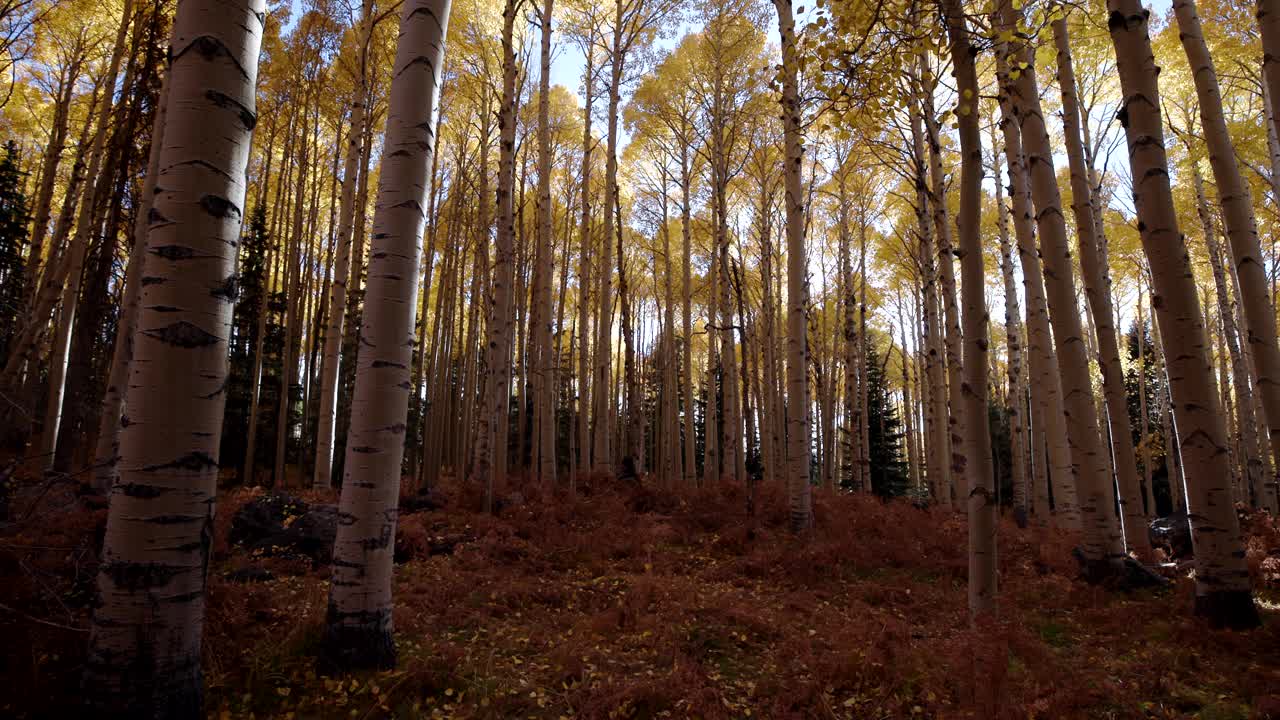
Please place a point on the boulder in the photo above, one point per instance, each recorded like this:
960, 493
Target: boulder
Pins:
422, 501
1173, 534
280, 524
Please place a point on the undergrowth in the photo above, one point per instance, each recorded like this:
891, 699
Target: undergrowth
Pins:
639, 602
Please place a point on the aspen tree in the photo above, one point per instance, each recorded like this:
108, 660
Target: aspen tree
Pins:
584, 275
333, 336
145, 643
982, 501
1223, 592
1051, 453
1103, 543
1240, 227
952, 336
492, 449
1268, 14
107, 452
42, 204
1098, 292
939, 467
1013, 333
1250, 462
95, 186
358, 625
798, 490
544, 387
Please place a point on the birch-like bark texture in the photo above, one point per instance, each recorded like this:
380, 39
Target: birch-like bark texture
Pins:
602, 438
1223, 592
95, 184
851, 468
1050, 449
686, 374
544, 432
1013, 333
144, 648
491, 456
107, 451
952, 332
1098, 291
798, 491
939, 469
358, 626
1102, 542
982, 500
1246, 421
1241, 229
332, 359
1268, 14
584, 276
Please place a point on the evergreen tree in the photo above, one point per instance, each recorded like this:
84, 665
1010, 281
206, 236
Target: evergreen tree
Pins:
884, 430
14, 218
1154, 441
252, 272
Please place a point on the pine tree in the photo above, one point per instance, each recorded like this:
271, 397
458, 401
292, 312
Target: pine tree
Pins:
884, 426
1150, 445
252, 272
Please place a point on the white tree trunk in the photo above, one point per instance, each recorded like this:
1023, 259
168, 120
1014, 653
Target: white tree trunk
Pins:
144, 649
358, 626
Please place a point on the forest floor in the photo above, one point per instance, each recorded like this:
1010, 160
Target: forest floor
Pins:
630, 602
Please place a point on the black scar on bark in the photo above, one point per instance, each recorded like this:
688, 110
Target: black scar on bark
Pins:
1228, 609
172, 252
137, 576
174, 519
229, 290
119, 688
194, 461
183, 334
247, 117
141, 490
356, 641
219, 207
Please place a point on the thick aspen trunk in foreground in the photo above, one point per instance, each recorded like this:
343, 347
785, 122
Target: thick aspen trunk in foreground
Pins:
1098, 290
1223, 592
1241, 229
144, 648
358, 626
798, 490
